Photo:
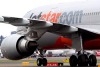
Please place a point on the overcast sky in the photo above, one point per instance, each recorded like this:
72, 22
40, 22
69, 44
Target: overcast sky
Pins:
18, 8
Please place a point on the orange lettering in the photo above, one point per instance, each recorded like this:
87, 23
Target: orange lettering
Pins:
57, 16
48, 15
43, 17
53, 17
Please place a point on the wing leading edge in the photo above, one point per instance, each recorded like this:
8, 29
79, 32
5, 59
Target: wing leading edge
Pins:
24, 22
54, 27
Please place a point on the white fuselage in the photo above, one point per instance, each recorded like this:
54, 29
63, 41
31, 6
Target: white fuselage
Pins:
85, 14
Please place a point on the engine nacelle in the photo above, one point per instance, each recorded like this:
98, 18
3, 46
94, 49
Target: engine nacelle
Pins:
16, 47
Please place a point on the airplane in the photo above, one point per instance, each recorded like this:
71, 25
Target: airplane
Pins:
74, 25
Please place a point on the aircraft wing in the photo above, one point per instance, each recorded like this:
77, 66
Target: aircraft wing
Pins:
12, 20
54, 27
24, 22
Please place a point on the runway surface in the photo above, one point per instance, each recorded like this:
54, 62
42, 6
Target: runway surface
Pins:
31, 62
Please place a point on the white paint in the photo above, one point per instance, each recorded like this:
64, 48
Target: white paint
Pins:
18, 8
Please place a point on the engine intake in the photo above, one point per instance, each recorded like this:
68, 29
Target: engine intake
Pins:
16, 47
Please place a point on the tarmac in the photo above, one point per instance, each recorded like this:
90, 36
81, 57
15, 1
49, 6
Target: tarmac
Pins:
31, 62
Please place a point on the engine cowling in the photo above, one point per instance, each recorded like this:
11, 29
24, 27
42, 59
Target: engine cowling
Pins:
16, 47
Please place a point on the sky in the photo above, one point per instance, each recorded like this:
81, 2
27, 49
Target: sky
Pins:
18, 8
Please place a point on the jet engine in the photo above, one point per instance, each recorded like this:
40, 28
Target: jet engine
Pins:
16, 47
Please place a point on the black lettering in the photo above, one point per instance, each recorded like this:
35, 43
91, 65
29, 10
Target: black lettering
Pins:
38, 17
31, 15
63, 18
70, 17
81, 14
76, 17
